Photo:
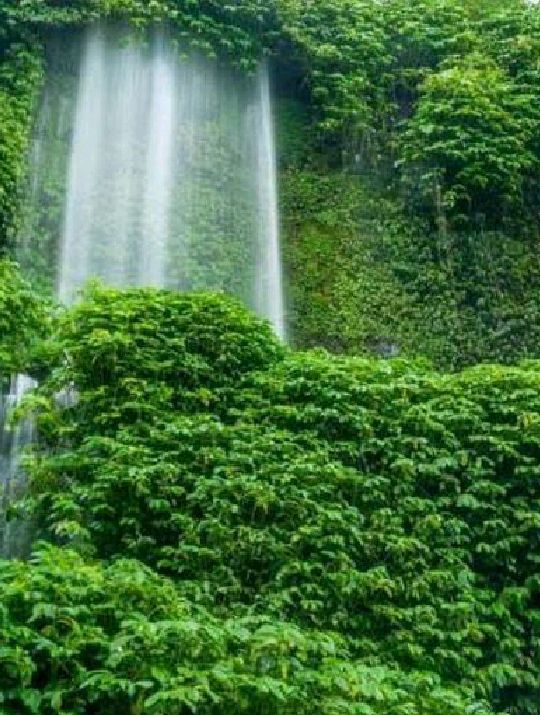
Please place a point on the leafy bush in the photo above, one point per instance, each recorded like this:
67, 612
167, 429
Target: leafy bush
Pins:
470, 138
178, 339
380, 502
80, 638
23, 320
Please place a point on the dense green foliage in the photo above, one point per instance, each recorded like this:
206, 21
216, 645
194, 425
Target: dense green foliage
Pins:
365, 277
240, 29
231, 527
471, 134
301, 531
23, 320
411, 217
20, 71
393, 78
81, 638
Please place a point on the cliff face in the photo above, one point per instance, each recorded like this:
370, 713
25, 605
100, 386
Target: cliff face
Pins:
366, 275
410, 180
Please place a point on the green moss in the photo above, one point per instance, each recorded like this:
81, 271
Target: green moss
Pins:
366, 278
20, 75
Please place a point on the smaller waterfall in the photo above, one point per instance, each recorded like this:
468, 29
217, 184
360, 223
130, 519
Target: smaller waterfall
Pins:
13, 440
269, 291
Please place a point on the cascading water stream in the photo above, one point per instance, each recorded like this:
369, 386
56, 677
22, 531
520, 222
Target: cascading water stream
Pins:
13, 439
269, 280
148, 168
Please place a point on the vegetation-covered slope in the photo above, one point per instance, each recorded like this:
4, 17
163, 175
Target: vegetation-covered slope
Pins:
301, 531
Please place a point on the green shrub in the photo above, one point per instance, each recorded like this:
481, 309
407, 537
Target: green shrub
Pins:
80, 638
379, 501
469, 139
23, 320
183, 340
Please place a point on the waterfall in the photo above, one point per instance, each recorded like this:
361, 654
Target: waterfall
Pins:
158, 169
171, 177
149, 167
13, 439
269, 284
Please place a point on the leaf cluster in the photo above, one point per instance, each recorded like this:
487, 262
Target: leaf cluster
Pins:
80, 637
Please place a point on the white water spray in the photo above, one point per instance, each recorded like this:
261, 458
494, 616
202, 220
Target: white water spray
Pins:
269, 279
